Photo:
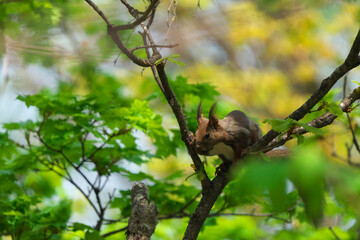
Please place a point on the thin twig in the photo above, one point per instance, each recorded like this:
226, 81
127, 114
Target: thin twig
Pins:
153, 68
113, 32
120, 132
151, 18
114, 232
352, 130
345, 84
101, 210
127, 41
139, 19
69, 178
184, 215
180, 212
333, 232
172, 6
97, 9
189, 203
82, 142
152, 46
63, 155
135, 13
269, 215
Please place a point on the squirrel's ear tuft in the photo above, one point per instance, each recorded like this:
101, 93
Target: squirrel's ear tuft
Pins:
213, 120
200, 116
212, 111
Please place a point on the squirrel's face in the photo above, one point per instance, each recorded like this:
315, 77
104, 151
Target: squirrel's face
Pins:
208, 134
206, 139
203, 137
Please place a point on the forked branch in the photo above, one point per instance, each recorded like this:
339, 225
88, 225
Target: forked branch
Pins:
351, 61
320, 122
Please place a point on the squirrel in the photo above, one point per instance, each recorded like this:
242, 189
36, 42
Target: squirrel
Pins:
229, 138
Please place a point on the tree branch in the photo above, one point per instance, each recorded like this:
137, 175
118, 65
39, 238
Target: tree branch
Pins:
320, 122
153, 68
186, 135
334, 233
112, 31
352, 61
140, 19
118, 133
143, 219
114, 232
210, 194
97, 9
152, 46
117, 40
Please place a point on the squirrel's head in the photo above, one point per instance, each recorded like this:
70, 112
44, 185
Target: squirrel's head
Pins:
209, 132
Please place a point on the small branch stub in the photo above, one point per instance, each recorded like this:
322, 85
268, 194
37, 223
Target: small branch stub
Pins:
143, 219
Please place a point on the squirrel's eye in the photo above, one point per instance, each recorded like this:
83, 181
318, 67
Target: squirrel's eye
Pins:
207, 135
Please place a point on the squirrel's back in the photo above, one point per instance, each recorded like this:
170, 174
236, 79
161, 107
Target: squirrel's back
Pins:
240, 118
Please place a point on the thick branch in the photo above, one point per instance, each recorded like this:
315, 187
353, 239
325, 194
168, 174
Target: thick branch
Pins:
320, 122
351, 62
119, 43
210, 194
186, 135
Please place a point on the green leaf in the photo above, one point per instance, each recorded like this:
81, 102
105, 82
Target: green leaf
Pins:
291, 199
13, 213
307, 174
174, 56
80, 226
123, 203
311, 129
170, 58
193, 174
20, 125
209, 222
12, 126
175, 175
334, 109
93, 236
280, 125
138, 176
257, 178
176, 62
300, 138
358, 83
185, 91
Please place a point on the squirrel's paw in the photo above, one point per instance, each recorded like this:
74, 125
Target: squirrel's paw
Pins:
224, 167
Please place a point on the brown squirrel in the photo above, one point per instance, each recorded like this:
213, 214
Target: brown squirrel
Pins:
229, 138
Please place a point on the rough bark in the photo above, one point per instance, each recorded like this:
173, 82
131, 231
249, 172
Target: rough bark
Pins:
143, 219
210, 195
